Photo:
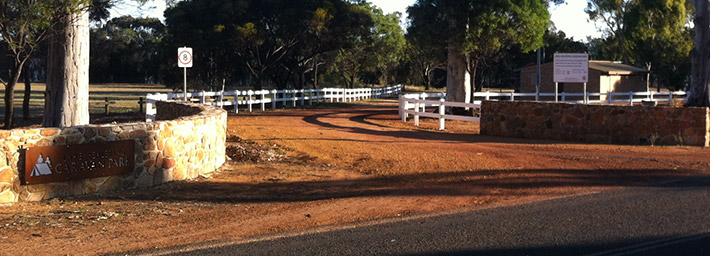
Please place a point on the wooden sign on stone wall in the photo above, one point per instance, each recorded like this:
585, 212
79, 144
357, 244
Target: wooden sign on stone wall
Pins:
77, 162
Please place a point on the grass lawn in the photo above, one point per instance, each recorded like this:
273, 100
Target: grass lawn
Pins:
125, 96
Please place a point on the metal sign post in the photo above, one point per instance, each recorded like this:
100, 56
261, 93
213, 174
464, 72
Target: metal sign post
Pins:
571, 68
184, 61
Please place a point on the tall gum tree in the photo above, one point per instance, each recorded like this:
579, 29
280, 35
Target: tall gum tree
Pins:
700, 70
67, 96
474, 30
23, 25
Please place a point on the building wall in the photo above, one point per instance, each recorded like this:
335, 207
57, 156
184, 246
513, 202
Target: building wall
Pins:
632, 125
190, 141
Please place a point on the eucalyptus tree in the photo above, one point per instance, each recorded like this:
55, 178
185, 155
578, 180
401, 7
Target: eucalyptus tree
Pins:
378, 52
474, 30
23, 26
263, 37
700, 78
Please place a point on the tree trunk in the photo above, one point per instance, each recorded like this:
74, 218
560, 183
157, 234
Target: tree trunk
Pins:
67, 98
427, 78
10, 95
315, 71
458, 87
700, 71
28, 94
472, 68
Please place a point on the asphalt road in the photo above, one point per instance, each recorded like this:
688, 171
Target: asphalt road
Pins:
664, 219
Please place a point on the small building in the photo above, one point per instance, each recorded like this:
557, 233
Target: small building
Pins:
604, 76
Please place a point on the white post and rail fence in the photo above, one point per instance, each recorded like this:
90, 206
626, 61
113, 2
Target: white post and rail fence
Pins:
271, 98
416, 104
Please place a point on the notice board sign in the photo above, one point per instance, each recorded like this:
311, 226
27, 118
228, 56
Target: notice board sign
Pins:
77, 162
571, 68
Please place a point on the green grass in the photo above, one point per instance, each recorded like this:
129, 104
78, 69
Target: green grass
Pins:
125, 97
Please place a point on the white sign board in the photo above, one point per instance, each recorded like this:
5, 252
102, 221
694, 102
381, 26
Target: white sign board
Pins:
571, 68
185, 57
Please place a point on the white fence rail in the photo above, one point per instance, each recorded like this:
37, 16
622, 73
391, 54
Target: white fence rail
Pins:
416, 104
262, 98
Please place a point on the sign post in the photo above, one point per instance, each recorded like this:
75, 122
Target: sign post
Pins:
184, 61
571, 68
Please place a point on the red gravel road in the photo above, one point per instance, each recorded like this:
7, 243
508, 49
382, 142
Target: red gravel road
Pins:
299, 170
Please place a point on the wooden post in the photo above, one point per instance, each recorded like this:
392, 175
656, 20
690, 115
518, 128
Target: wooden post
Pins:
140, 103
107, 105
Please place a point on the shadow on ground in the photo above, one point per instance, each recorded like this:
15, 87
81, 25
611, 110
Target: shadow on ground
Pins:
462, 183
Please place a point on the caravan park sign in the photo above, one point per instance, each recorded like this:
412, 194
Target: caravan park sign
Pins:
77, 162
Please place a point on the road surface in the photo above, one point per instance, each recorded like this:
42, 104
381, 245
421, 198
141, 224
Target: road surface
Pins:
670, 218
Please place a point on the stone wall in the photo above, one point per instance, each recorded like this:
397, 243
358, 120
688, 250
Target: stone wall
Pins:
609, 124
191, 143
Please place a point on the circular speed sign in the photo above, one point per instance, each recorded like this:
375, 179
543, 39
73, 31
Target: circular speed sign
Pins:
185, 57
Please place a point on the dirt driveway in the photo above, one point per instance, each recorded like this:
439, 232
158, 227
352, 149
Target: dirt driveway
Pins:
303, 170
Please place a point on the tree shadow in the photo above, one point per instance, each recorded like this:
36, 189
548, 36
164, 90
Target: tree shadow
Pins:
364, 115
459, 183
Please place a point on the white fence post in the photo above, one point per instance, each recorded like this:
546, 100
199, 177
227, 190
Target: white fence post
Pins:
294, 97
416, 113
273, 98
262, 99
423, 97
404, 109
236, 102
249, 102
310, 97
442, 112
303, 97
202, 97
631, 98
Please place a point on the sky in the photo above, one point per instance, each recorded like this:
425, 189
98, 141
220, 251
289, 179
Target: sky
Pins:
568, 17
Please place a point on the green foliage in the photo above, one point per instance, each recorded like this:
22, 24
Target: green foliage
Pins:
481, 28
375, 56
658, 39
125, 50
649, 33
275, 42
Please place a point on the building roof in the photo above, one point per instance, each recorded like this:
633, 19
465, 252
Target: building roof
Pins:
607, 67
614, 68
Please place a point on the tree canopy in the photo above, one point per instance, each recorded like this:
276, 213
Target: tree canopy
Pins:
477, 30
273, 41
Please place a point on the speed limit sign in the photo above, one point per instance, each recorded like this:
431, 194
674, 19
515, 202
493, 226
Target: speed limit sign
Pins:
185, 57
